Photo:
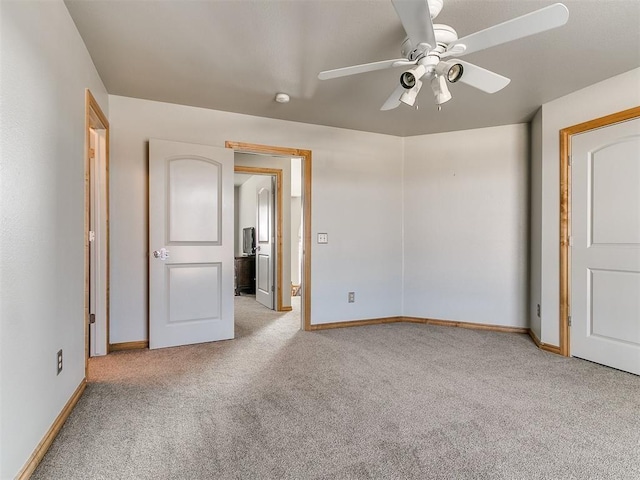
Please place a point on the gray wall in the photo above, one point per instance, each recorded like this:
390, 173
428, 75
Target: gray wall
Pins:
45, 70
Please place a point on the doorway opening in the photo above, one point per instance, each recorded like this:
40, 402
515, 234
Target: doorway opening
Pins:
96, 230
260, 207
292, 220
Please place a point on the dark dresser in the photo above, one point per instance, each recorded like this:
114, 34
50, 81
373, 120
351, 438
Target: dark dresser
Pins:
245, 278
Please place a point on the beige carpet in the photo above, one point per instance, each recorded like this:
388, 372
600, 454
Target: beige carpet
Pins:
387, 401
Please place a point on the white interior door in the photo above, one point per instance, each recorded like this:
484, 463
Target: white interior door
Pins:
190, 243
605, 252
93, 257
97, 244
265, 242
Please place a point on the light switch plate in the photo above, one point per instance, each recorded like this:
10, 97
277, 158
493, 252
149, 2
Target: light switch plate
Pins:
323, 238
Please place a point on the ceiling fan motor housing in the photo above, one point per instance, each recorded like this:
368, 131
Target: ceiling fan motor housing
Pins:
444, 36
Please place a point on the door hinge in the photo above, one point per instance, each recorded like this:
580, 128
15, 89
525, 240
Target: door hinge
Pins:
92, 153
570, 160
92, 236
569, 320
92, 318
273, 288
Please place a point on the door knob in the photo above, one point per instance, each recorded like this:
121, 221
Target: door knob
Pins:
162, 254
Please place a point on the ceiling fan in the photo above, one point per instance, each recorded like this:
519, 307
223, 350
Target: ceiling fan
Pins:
427, 46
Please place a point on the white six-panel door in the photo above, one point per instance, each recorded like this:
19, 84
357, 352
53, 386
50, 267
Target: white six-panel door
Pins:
190, 243
605, 252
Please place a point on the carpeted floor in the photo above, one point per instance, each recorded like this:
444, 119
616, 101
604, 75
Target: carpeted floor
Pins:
389, 401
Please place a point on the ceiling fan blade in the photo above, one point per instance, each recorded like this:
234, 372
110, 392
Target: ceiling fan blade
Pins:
394, 99
366, 67
416, 20
541, 20
482, 79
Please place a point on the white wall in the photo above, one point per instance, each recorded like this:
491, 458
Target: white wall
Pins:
466, 225
610, 96
246, 208
45, 70
356, 194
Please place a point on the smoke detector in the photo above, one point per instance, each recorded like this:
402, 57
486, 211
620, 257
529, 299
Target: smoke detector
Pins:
282, 98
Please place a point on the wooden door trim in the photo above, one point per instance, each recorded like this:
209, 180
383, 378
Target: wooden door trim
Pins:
94, 119
274, 172
306, 211
565, 211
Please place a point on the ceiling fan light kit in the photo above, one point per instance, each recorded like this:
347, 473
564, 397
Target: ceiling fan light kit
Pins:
441, 92
409, 96
409, 78
452, 71
427, 45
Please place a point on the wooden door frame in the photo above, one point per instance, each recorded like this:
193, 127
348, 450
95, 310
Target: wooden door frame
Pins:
94, 119
565, 212
305, 155
277, 173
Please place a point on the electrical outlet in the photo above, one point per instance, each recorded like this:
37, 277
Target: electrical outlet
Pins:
323, 238
352, 297
59, 361
538, 310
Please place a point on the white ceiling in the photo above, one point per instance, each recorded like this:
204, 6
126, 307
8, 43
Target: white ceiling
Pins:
235, 55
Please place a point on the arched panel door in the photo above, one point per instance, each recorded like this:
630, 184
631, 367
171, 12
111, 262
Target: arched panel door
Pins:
191, 238
605, 246
265, 291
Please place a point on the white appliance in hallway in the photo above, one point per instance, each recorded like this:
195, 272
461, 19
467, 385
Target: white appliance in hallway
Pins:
190, 243
605, 251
